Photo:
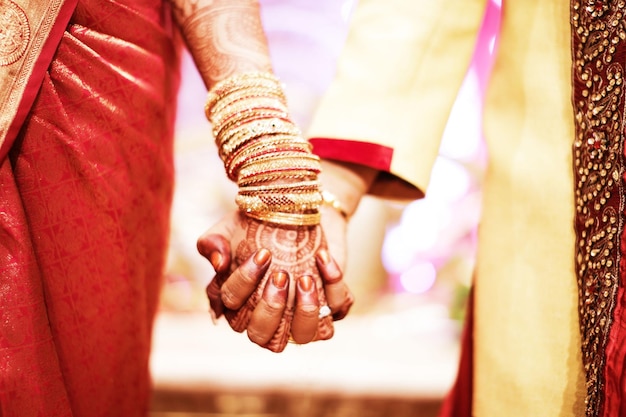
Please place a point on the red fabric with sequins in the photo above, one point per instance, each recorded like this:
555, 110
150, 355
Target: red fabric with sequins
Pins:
598, 33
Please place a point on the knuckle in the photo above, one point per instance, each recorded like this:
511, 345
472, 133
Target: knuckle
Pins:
308, 312
245, 275
230, 300
273, 307
256, 337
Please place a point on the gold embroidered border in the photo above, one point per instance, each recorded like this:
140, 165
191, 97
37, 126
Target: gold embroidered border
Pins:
15, 32
598, 31
27, 26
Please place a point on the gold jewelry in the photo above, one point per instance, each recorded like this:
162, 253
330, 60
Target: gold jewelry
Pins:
275, 93
245, 115
289, 187
308, 162
249, 131
277, 144
284, 203
273, 156
261, 178
247, 102
290, 219
260, 147
264, 151
239, 82
329, 199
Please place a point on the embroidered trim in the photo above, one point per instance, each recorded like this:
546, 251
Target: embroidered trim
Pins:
597, 32
14, 32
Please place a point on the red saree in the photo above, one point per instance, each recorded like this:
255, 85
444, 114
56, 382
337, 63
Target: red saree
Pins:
85, 193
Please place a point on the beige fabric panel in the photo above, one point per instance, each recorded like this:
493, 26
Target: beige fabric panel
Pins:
398, 77
397, 80
527, 356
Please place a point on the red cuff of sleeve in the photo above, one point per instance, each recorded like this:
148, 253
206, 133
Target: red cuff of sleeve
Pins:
362, 153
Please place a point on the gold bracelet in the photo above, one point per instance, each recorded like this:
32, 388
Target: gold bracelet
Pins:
245, 102
252, 128
262, 147
235, 138
283, 203
269, 144
243, 79
243, 115
307, 162
263, 178
293, 187
240, 82
273, 156
287, 219
246, 92
329, 199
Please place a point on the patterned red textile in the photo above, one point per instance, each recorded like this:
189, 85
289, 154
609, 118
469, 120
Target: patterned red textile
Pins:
599, 223
86, 194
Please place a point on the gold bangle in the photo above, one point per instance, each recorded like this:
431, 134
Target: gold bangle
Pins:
235, 138
245, 115
293, 203
293, 187
263, 178
287, 219
262, 146
214, 108
272, 156
248, 80
306, 162
259, 148
245, 102
329, 199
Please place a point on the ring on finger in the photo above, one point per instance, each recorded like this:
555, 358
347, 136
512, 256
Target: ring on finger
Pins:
324, 311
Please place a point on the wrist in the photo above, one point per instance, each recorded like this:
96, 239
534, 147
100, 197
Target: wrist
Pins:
345, 184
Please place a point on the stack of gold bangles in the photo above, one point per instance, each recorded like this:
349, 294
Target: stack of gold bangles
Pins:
263, 150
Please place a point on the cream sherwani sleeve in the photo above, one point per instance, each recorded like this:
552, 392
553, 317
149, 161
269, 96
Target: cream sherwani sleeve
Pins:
396, 82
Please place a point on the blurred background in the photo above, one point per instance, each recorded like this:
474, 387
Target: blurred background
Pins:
409, 264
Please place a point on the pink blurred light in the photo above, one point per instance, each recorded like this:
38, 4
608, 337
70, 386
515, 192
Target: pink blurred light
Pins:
419, 278
450, 181
424, 234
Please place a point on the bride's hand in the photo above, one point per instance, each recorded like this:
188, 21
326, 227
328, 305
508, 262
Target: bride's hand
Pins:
270, 281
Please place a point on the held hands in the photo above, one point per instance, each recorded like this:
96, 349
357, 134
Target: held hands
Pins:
278, 283
295, 288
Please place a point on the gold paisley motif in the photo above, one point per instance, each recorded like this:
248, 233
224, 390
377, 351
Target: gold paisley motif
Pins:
14, 32
597, 31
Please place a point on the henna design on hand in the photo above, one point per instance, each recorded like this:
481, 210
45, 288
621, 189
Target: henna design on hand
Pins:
293, 248
225, 37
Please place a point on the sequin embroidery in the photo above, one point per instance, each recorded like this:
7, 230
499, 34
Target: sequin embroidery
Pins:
597, 32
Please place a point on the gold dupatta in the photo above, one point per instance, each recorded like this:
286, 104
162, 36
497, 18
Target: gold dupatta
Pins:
29, 34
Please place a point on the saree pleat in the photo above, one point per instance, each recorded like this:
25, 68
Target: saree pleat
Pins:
32, 381
87, 217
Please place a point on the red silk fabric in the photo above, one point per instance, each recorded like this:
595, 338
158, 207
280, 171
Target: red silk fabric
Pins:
86, 194
364, 153
39, 68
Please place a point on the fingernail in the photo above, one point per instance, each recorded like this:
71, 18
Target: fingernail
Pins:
216, 259
280, 280
261, 257
324, 256
306, 283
